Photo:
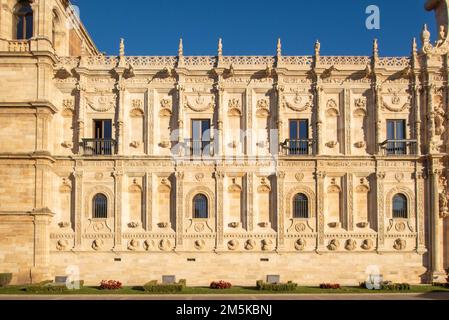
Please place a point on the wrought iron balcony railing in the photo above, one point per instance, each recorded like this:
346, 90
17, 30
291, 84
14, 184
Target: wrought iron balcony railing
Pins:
297, 147
198, 148
98, 147
399, 147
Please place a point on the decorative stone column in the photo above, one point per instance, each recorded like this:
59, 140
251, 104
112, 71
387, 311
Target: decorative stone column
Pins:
120, 115
250, 201
80, 111
437, 272
320, 177
219, 180
179, 210
377, 89
42, 129
350, 200
417, 98
347, 122
78, 175
280, 124
420, 213
220, 107
118, 190
280, 210
180, 89
148, 201
380, 204
319, 119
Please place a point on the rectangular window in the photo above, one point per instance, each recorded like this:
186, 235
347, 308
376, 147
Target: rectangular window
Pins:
298, 137
102, 144
200, 137
396, 143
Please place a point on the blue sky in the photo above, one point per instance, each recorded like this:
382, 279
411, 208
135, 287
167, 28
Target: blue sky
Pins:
251, 27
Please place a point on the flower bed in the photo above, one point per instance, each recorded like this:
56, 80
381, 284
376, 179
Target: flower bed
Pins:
330, 286
5, 279
220, 285
110, 285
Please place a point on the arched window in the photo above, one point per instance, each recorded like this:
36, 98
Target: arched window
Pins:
300, 206
100, 207
399, 206
200, 210
24, 20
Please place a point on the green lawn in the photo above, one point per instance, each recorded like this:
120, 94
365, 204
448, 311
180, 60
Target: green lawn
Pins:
17, 290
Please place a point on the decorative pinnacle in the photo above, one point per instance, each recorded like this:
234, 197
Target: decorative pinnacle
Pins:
122, 47
279, 48
83, 48
180, 48
317, 48
425, 35
220, 47
375, 48
414, 47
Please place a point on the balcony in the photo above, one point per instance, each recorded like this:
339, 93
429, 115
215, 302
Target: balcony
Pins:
98, 147
297, 147
399, 147
198, 149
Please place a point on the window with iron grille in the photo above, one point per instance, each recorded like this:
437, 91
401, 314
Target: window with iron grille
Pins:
100, 207
200, 210
399, 206
300, 206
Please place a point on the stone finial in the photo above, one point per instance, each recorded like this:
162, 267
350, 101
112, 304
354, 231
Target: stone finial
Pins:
180, 48
425, 35
122, 47
317, 48
414, 47
279, 48
220, 47
375, 49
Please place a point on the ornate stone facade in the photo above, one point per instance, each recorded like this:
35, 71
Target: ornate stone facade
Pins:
249, 169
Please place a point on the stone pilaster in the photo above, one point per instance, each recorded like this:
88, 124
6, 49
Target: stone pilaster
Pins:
380, 204
80, 111
78, 174
319, 178
417, 109
350, 201
219, 180
250, 201
436, 223
420, 212
118, 190
378, 119
280, 211
280, 122
42, 129
120, 134
219, 144
148, 201
41, 262
319, 119
249, 122
179, 210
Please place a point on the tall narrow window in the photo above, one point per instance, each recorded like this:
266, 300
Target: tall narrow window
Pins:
100, 207
396, 137
300, 206
299, 135
399, 206
103, 143
24, 20
200, 137
200, 210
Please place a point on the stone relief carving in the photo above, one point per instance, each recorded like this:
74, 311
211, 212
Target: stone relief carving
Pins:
367, 244
440, 116
200, 103
102, 103
263, 108
264, 186
400, 244
68, 108
394, 102
148, 244
300, 244
443, 197
267, 244
300, 102
66, 186
350, 244
133, 245
200, 244
234, 108
62, 244
233, 245
97, 244
165, 245
137, 108
334, 244
332, 109
166, 108
250, 244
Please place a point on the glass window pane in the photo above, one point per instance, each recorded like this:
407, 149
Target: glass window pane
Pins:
293, 130
304, 130
107, 134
